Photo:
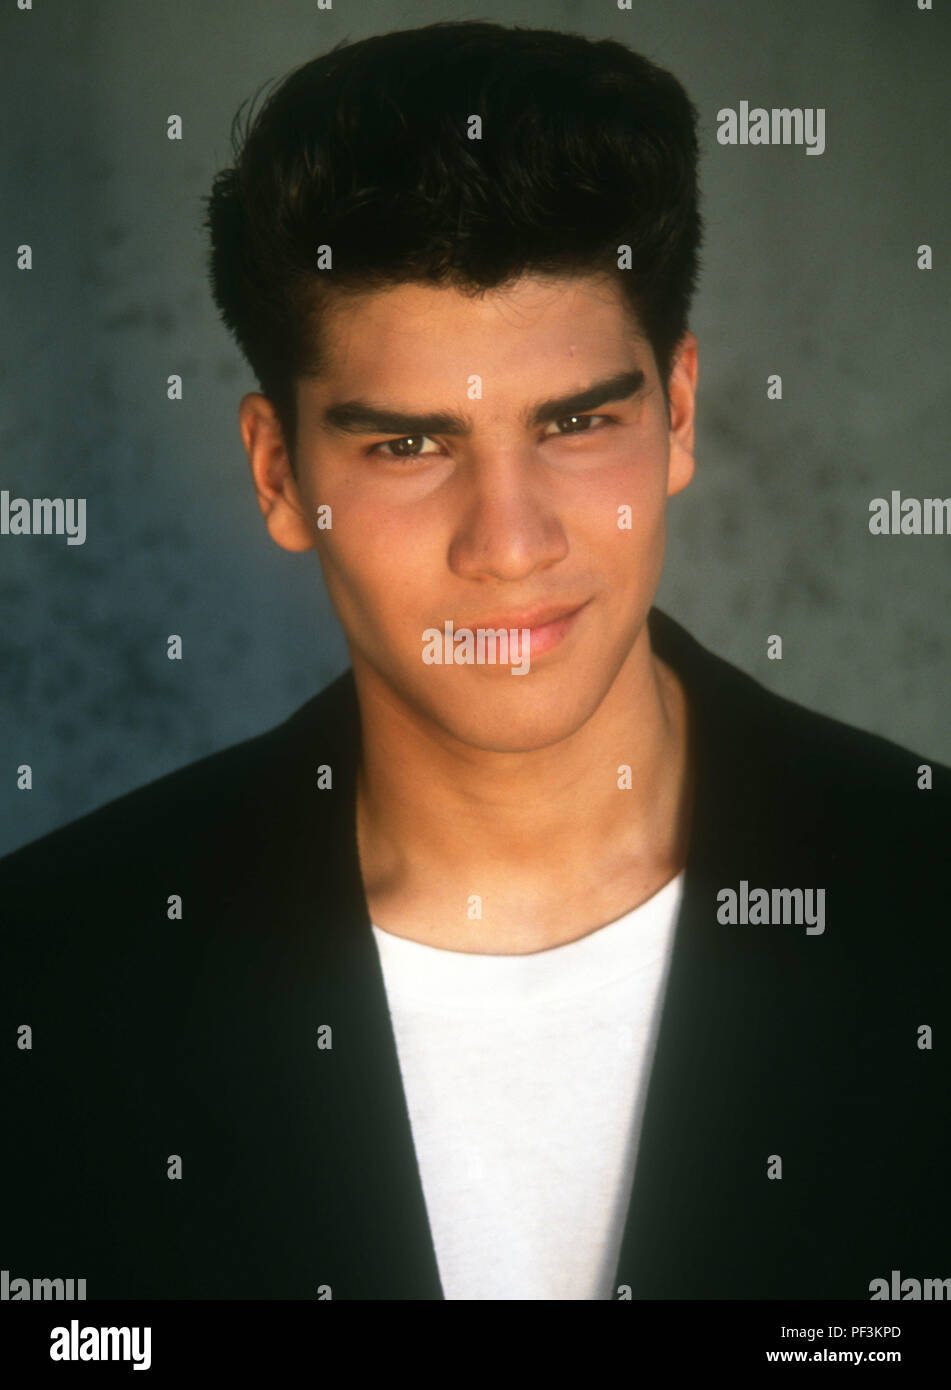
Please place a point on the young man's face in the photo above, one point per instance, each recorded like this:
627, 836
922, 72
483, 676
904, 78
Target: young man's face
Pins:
469, 481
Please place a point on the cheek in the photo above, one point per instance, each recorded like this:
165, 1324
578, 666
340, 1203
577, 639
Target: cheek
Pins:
373, 559
624, 503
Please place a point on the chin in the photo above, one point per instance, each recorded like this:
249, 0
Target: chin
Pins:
518, 722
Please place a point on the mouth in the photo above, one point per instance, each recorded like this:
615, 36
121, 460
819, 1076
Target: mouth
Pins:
547, 627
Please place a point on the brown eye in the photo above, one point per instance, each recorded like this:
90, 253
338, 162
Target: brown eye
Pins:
404, 448
409, 447
579, 424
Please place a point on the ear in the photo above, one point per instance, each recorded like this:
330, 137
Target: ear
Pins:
682, 393
274, 481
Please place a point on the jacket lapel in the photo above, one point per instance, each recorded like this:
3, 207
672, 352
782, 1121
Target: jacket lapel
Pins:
704, 1220
371, 1225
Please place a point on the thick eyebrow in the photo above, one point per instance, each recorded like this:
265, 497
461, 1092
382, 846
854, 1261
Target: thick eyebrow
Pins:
613, 388
360, 417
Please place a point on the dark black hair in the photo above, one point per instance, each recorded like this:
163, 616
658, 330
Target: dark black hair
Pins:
585, 147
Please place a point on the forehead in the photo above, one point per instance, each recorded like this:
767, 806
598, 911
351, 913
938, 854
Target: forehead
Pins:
411, 334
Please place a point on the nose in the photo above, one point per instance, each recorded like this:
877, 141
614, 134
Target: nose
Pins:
508, 525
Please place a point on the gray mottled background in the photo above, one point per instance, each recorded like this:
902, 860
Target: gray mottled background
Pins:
809, 271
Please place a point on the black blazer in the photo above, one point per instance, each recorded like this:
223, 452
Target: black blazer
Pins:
154, 1036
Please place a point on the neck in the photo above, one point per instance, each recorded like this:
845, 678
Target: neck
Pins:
545, 841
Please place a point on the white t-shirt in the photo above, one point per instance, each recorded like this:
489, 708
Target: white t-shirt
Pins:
525, 1078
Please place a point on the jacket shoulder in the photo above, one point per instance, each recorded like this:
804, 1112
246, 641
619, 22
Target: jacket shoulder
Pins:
775, 771
741, 713
831, 748
879, 808
222, 797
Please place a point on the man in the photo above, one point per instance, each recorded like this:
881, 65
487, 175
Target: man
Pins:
544, 955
